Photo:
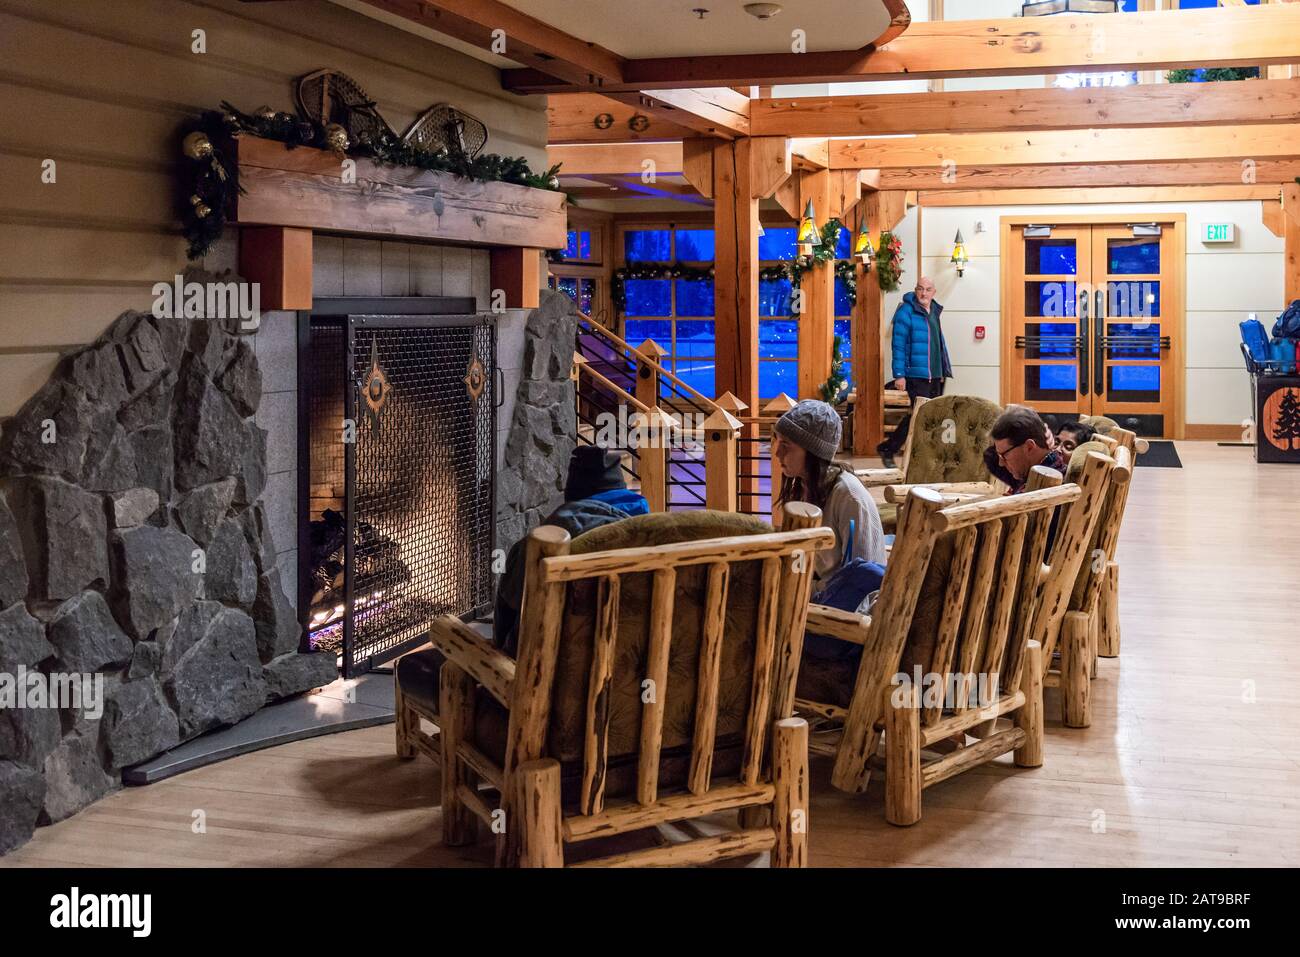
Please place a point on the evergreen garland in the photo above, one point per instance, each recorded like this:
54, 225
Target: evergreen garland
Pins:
889, 261
833, 386
211, 181
1213, 74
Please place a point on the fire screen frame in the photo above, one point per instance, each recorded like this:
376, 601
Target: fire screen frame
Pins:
355, 314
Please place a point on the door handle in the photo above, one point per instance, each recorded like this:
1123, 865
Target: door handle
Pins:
1082, 350
1098, 334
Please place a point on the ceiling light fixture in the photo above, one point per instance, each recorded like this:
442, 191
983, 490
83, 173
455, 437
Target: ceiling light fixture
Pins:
763, 11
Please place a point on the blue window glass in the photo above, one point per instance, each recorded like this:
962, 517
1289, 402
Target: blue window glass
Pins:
1133, 383
695, 339
695, 245
778, 339
777, 377
844, 247
1051, 257
569, 286
637, 331
843, 304
774, 297
647, 244
1128, 6
1053, 300
1057, 377
844, 330
578, 245
697, 373
694, 297
649, 297
1137, 300
1137, 340
1057, 339
1057, 382
777, 244
1129, 256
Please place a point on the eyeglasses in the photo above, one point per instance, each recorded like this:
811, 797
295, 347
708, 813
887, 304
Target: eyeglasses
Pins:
1002, 456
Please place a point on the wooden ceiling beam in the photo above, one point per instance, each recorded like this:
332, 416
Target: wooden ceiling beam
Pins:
572, 119
1084, 195
1204, 173
953, 151
616, 158
720, 111
527, 40
1015, 46
976, 111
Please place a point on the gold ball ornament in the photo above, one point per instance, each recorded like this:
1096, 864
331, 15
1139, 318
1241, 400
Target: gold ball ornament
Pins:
197, 145
201, 209
336, 137
265, 113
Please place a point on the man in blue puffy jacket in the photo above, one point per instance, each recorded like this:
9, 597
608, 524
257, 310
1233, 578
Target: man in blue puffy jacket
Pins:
920, 357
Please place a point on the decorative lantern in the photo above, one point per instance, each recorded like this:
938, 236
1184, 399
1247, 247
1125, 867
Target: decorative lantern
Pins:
808, 235
863, 249
959, 257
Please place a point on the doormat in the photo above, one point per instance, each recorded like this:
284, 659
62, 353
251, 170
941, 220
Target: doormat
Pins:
1160, 455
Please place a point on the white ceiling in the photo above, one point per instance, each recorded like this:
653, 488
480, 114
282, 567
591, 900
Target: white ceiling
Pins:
658, 28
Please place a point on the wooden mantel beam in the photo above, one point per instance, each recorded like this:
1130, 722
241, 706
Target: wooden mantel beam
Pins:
986, 111
542, 47
1224, 36
953, 151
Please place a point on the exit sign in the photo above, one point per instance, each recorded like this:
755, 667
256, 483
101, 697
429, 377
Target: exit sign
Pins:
1218, 233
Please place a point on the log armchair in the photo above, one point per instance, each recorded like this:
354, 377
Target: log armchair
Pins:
945, 444
654, 684
955, 611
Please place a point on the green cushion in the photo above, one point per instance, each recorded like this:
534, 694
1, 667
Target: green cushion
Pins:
1080, 455
949, 435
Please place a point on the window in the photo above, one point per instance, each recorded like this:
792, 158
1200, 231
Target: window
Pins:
778, 331
582, 245
677, 313
581, 290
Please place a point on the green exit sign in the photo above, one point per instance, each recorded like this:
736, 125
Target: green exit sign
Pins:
1218, 233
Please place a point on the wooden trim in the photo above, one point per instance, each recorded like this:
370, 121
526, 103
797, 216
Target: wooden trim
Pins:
279, 261
988, 111
1084, 196
1211, 432
304, 187
1087, 219
616, 158
703, 850
1073, 176
517, 272
1050, 147
1291, 224
571, 118
970, 48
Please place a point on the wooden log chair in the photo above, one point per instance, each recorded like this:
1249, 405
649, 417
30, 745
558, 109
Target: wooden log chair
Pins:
654, 684
945, 444
1070, 642
958, 601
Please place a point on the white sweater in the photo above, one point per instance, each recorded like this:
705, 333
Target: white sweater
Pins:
849, 500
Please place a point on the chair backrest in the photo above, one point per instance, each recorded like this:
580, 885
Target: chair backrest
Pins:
1105, 535
688, 634
948, 605
947, 438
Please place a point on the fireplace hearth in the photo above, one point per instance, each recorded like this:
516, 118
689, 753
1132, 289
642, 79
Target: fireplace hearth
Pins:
397, 466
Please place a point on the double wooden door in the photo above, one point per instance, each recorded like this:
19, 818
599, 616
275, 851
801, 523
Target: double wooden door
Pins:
1091, 312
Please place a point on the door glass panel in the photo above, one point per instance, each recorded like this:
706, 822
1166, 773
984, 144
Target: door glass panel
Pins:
1133, 340
1133, 300
1052, 300
1130, 256
1051, 257
1056, 339
1058, 382
1133, 383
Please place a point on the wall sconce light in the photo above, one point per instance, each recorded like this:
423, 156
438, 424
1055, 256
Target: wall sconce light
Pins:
808, 235
863, 249
959, 257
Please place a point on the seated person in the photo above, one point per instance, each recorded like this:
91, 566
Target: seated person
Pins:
1071, 435
595, 494
1020, 441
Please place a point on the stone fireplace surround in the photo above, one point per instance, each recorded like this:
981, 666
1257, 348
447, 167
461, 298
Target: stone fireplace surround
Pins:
177, 435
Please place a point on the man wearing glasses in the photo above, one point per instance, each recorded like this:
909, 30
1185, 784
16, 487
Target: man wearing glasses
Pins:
920, 357
1020, 439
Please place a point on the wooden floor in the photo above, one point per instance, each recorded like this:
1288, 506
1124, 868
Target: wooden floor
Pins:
1193, 757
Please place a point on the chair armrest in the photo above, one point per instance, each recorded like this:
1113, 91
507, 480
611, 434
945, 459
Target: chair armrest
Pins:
844, 625
950, 491
874, 478
474, 655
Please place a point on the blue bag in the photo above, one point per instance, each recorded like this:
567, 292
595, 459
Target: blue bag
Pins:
1256, 339
854, 580
1288, 324
1282, 356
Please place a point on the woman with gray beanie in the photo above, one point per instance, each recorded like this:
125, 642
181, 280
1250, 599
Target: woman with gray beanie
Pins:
805, 441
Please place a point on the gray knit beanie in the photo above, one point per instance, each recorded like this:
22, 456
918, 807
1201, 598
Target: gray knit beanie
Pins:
813, 426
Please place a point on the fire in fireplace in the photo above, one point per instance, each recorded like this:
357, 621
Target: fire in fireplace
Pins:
397, 468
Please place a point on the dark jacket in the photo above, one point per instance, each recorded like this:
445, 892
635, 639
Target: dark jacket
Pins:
911, 342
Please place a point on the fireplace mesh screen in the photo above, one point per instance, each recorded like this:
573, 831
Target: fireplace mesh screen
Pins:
418, 480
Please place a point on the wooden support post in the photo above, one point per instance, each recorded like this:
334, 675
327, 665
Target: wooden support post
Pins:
721, 467
903, 758
817, 294
654, 435
777, 407
1108, 613
456, 717
883, 210
790, 777
1029, 716
278, 259
1291, 210
647, 372
536, 797
407, 723
735, 290
516, 272
1076, 661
